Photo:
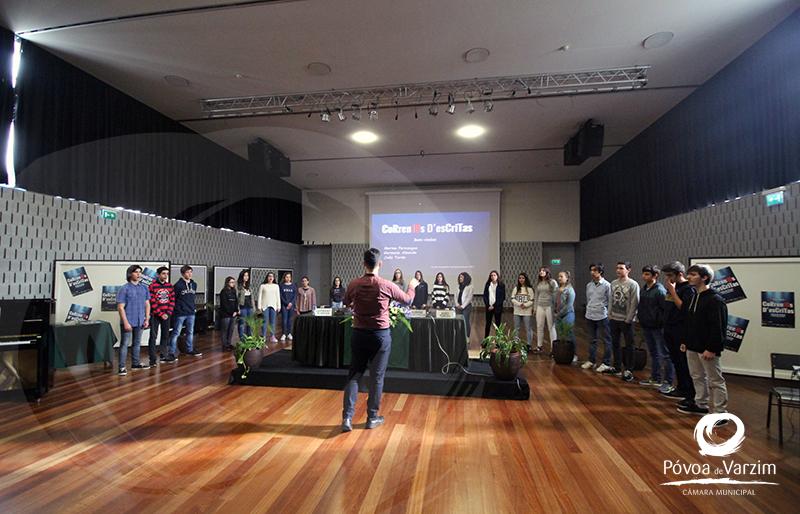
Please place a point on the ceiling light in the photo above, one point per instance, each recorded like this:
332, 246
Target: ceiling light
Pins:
474, 55
470, 107
373, 112
318, 68
657, 40
341, 115
470, 131
451, 104
488, 106
176, 80
364, 137
433, 110
356, 112
325, 116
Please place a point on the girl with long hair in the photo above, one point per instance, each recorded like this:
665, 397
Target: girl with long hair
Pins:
522, 300
494, 294
544, 292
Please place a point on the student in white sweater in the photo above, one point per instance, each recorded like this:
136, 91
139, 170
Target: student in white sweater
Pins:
544, 301
522, 300
269, 302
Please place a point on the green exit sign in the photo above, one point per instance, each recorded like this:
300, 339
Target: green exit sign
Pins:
555, 262
775, 198
108, 214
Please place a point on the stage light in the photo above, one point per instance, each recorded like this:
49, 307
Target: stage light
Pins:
373, 111
470, 131
356, 112
341, 115
433, 110
451, 105
364, 137
325, 116
488, 106
470, 107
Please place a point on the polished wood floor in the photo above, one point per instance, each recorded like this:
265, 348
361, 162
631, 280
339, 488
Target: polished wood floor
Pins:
179, 439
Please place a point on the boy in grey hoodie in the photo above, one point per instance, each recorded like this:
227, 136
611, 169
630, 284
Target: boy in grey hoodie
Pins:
624, 302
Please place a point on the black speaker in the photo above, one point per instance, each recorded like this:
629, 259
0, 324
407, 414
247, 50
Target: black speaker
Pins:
269, 158
590, 139
571, 156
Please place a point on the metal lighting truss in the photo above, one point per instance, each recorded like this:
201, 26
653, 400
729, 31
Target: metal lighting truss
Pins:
430, 93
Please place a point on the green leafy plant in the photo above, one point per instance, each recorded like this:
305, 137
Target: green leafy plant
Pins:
397, 314
503, 343
254, 341
564, 330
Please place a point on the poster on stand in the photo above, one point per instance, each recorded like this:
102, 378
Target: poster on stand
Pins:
734, 335
727, 285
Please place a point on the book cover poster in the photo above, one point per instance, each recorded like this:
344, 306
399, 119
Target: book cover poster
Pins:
727, 285
734, 335
78, 281
109, 298
777, 309
148, 276
78, 313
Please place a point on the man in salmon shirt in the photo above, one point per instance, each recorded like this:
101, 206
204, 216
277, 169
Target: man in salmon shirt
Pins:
371, 341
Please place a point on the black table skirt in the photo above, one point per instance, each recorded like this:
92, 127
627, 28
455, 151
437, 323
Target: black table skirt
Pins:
320, 341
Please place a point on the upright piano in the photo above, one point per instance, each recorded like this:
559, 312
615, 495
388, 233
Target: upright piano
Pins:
23, 346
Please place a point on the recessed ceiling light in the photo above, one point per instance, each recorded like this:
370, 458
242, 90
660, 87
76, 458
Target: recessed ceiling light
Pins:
176, 80
476, 55
657, 40
364, 137
318, 68
470, 131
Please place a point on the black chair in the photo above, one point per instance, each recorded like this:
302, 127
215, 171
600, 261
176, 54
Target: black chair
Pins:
783, 396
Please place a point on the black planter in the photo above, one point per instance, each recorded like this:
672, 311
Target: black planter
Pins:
634, 359
563, 351
509, 368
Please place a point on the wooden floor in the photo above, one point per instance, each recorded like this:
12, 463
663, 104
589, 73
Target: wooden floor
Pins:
179, 439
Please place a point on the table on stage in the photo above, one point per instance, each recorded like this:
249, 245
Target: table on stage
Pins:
81, 343
323, 341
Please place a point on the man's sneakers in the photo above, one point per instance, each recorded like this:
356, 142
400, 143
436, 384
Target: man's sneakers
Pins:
139, 366
587, 365
374, 422
685, 403
163, 359
665, 388
650, 382
273, 340
283, 338
673, 393
289, 337
603, 368
627, 376
122, 372
693, 409
171, 359
195, 353
347, 425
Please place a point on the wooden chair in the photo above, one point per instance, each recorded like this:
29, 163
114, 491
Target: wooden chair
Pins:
783, 396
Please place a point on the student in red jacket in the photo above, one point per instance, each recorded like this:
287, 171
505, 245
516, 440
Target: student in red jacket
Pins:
162, 303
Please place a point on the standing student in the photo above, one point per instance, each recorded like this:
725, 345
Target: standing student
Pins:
440, 294
162, 303
464, 299
229, 310
565, 305
288, 301
306, 297
244, 295
705, 329
185, 289
397, 278
679, 292
598, 299
371, 341
337, 293
624, 301
522, 300
133, 307
651, 312
544, 300
421, 292
494, 294
269, 302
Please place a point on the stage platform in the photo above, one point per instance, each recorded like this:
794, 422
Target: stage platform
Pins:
279, 370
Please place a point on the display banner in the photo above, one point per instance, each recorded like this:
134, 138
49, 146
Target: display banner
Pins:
148, 276
108, 301
78, 281
777, 309
78, 313
727, 285
734, 335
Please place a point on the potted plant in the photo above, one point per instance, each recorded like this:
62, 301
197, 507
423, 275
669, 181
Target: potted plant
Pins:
248, 351
564, 346
506, 352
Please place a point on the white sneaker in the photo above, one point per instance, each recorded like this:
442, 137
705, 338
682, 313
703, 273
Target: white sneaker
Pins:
587, 365
283, 338
602, 368
289, 337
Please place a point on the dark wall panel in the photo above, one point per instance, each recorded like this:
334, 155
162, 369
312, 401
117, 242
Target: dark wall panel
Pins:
735, 135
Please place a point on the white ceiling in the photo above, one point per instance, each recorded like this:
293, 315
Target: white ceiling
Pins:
380, 42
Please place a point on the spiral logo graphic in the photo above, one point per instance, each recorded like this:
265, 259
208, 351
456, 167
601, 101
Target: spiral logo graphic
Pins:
705, 429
